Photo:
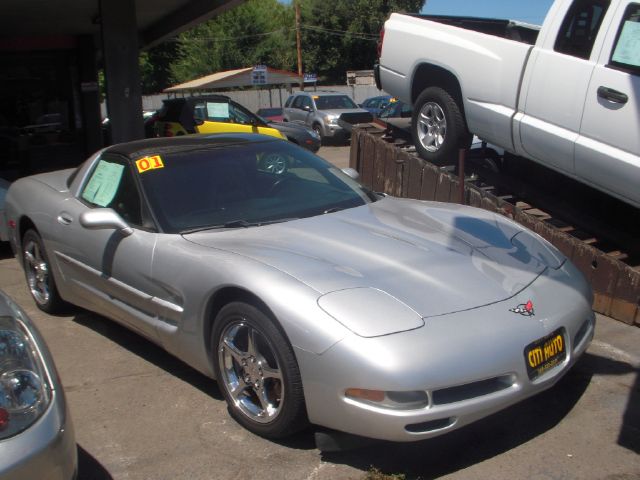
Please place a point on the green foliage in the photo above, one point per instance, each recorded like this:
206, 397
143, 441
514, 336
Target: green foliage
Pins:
155, 67
337, 35
255, 32
342, 35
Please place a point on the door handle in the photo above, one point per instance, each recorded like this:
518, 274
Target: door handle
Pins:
65, 219
612, 95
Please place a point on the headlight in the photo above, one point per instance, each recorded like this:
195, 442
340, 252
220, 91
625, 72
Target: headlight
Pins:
25, 391
366, 312
332, 120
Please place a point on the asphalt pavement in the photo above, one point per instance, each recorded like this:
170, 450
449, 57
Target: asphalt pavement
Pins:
139, 413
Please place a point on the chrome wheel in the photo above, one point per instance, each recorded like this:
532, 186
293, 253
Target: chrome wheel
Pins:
274, 163
250, 371
432, 126
37, 270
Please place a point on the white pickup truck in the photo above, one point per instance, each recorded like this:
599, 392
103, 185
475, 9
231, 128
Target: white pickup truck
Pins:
565, 95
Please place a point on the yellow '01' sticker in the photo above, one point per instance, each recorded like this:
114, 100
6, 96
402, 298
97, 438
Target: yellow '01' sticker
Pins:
149, 163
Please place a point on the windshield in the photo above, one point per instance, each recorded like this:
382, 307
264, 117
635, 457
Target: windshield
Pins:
245, 185
334, 102
269, 112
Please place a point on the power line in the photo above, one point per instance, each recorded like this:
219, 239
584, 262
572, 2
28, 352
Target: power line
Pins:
342, 33
313, 28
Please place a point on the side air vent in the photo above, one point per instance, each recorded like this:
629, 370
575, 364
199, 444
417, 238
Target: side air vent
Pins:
472, 390
581, 333
430, 426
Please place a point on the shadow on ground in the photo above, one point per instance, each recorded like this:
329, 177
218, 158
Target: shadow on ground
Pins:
148, 351
89, 468
5, 251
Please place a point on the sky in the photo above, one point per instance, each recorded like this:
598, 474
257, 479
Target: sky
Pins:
531, 11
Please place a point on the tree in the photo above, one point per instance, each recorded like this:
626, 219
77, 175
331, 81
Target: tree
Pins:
337, 35
341, 35
155, 67
255, 32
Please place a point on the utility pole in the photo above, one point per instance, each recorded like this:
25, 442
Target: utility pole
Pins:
299, 45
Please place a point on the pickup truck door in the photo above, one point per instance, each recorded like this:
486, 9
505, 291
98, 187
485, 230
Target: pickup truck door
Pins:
555, 86
607, 151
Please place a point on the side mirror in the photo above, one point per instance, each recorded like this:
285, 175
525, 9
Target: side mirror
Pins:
104, 219
306, 108
352, 172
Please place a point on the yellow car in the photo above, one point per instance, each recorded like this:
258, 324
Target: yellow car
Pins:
208, 114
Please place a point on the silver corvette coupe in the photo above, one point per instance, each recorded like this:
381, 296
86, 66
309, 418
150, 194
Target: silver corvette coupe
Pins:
309, 298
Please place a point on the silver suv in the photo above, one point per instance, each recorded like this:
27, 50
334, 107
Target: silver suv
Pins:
320, 111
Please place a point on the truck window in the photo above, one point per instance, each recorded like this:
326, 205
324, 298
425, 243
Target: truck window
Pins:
626, 50
580, 27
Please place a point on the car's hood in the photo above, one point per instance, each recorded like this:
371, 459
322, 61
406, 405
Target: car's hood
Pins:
435, 258
339, 111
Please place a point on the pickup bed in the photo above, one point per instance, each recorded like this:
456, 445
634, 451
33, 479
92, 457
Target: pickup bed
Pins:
564, 94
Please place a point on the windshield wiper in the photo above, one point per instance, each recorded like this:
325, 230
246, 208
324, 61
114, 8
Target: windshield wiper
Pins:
239, 223
332, 210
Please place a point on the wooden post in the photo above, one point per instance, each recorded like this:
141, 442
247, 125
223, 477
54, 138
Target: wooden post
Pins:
461, 156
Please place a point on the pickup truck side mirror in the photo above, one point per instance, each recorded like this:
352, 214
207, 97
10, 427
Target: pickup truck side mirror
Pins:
306, 108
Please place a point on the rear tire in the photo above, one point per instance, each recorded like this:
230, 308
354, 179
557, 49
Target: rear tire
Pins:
37, 269
257, 372
438, 126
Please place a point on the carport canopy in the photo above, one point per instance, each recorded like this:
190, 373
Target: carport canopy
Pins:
242, 77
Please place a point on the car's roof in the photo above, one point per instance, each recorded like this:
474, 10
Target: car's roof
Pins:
147, 146
195, 99
321, 93
377, 97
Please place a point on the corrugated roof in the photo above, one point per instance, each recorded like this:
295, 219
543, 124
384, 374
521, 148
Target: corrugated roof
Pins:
241, 77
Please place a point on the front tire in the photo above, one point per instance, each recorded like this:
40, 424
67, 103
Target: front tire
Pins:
37, 269
257, 372
438, 127
318, 130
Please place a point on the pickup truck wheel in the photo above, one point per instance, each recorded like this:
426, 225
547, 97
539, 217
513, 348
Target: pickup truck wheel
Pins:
438, 127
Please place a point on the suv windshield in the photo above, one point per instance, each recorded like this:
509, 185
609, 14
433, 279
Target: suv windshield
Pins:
234, 186
334, 102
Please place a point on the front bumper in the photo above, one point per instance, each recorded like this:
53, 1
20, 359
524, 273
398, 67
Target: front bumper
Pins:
311, 144
334, 131
46, 450
470, 364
